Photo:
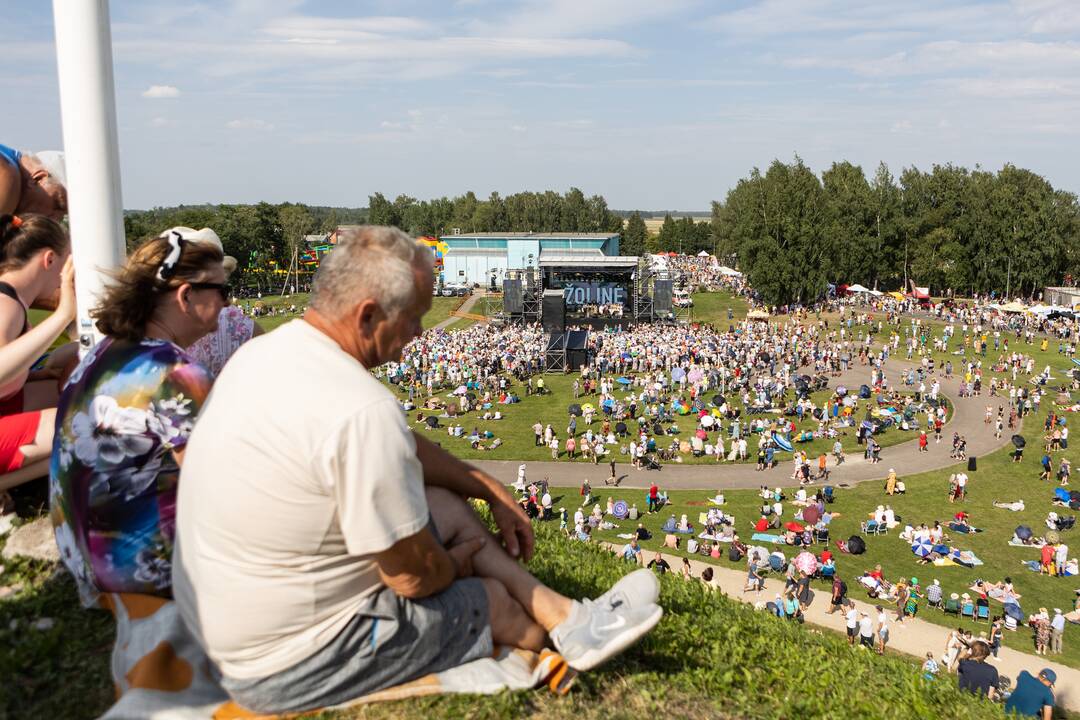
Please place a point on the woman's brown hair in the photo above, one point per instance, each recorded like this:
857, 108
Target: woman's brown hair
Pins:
130, 300
22, 237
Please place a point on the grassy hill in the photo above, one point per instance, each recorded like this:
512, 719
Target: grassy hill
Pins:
710, 657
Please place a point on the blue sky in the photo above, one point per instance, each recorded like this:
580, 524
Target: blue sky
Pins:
652, 103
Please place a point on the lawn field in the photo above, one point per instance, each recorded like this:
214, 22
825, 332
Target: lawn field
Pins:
710, 656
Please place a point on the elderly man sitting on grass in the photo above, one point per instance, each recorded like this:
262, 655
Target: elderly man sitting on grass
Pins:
324, 551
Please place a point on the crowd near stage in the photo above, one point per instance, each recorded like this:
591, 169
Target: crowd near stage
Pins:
571, 294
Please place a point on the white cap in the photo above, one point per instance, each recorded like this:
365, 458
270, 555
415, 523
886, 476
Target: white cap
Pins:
53, 162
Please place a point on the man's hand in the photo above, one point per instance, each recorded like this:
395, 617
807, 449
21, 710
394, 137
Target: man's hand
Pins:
515, 530
462, 555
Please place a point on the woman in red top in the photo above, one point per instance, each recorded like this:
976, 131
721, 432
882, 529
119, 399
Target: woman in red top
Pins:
35, 261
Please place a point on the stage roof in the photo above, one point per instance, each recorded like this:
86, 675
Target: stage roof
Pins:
581, 260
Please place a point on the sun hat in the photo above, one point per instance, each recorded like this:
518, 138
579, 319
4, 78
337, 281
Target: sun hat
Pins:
936, 582
206, 236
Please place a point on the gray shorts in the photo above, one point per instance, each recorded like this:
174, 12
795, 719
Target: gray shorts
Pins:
391, 640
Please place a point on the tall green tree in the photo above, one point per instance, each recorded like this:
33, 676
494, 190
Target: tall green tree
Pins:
635, 235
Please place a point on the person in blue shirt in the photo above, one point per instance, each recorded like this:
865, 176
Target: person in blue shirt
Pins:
1033, 697
32, 184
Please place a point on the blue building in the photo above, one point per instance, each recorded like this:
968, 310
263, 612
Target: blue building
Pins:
479, 257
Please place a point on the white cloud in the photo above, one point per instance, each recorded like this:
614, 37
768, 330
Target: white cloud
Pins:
519, 128
155, 92
249, 124
159, 122
577, 18
901, 126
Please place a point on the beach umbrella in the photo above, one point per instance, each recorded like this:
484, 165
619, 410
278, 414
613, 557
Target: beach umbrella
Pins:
695, 375
626, 356
623, 381
707, 421
922, 547
718, 400
794, 526
574, 409
1053, 537
811, 515
841, 390
1023, 532
701, 434
683, 409
619, 509
678, 374
620, 428
806, 562
1018, 441
608, 403
461, 390
588, 408
657, 429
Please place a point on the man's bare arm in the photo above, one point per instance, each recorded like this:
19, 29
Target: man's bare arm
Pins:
441, 469
419, 566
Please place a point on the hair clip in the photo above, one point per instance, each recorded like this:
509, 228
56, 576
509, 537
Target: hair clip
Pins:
16, 221
168, 265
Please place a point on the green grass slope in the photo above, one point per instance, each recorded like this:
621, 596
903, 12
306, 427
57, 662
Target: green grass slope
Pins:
711, 656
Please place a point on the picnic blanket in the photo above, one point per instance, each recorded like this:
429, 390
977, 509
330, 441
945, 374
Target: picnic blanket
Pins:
767, 538
626, 536
992, 592
714, 538
160, 671
970, 561
1039, 542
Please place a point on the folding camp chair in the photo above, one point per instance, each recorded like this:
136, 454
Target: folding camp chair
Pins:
967, 610
952, 607
983, 613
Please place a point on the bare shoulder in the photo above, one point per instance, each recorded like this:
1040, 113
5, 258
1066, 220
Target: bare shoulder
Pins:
12, 318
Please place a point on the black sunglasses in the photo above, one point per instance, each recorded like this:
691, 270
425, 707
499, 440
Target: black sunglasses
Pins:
224, 288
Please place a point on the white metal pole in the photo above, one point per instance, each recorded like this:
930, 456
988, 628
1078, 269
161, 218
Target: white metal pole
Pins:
88, 113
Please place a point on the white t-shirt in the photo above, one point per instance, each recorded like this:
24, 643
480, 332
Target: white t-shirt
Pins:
852, 618
300, 468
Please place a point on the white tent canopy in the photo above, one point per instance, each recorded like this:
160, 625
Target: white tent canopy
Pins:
725, 270
857, 288
703, 253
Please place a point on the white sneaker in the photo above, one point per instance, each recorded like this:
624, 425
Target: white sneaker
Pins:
636, 589
593, 634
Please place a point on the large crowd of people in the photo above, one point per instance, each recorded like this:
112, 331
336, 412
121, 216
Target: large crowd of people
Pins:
356, 530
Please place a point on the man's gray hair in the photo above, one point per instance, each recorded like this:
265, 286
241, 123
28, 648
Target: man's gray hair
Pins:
370, 261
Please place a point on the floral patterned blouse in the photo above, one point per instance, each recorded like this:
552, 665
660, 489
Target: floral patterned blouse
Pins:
213, 350
112, 477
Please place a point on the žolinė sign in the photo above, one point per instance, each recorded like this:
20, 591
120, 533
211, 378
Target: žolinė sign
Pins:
593, 293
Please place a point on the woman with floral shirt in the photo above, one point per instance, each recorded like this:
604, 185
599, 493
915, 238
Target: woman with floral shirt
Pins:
126, 413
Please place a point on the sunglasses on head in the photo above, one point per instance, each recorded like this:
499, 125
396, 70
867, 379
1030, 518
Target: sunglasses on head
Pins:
224, 288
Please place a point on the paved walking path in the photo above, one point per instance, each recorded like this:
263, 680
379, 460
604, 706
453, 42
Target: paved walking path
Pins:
913, 637
467, 306
967, 419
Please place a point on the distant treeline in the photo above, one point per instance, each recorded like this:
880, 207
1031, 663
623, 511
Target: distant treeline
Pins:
949, 228
790, 230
